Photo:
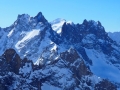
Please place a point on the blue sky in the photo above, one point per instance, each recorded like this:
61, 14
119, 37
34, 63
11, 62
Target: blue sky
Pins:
105, 11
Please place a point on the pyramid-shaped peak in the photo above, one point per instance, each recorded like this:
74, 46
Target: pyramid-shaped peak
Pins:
40, 18
85, 22
39, 15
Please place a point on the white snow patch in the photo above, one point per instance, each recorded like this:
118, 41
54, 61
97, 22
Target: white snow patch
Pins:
70, 22
100, 40
54, 47
95, 79
46, 86
28, 36
57, 25
101, 68
26, 69
10, 33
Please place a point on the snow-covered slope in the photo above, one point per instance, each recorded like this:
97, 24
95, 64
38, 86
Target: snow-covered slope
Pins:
102, 67
27, 35
65, 55
57, 25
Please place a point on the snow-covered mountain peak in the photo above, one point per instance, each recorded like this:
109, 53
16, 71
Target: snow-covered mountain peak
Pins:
26, 20
57, 25
25, 35
68, 29
58, 20
70, 22
60, 50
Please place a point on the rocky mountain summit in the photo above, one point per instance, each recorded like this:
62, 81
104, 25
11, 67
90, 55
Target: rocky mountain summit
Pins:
41, 55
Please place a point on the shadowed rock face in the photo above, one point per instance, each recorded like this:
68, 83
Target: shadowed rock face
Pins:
10, 61
9, 55
83, 70
75, 33
70, 56
79, 68
105, 85
40, 18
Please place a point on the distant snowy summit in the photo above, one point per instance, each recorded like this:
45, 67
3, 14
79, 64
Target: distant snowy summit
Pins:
115, 36
58, 23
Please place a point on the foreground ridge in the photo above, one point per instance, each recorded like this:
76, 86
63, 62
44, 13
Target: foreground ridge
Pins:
19, 74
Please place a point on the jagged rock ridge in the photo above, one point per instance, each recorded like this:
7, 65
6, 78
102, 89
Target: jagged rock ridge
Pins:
64, 55
69, 72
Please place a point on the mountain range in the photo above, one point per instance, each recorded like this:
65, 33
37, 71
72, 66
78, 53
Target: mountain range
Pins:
39, 55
